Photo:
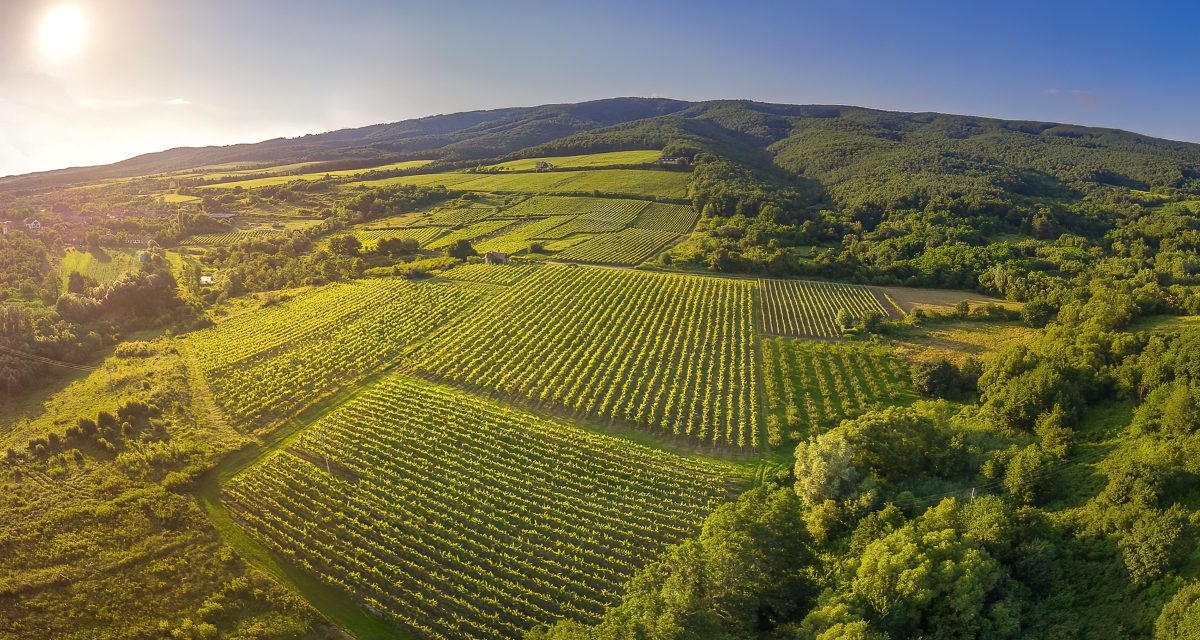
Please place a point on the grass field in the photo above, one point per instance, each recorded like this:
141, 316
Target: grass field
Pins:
813, 385
460, 518
960, 339
318, 175
667, 352
909, 298
810, 309
175, 198
627, 246
640, 182
608, 159
102, 267
268, 365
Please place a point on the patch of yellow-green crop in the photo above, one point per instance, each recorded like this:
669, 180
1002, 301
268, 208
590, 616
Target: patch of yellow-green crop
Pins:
632, 182
609, 159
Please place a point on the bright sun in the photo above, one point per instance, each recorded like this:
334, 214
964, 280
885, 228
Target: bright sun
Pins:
62, 32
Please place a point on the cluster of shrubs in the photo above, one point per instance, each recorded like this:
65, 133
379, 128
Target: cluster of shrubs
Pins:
107, 432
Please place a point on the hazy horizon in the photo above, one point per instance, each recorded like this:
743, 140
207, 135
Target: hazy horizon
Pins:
106, 81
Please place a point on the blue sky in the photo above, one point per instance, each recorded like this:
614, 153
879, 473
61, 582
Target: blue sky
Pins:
153, 74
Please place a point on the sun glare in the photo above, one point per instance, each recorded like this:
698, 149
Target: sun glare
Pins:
62, 32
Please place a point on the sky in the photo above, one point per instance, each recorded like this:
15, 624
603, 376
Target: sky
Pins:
116, 78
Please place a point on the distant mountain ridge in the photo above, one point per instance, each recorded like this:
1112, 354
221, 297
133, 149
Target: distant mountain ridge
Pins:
863, 157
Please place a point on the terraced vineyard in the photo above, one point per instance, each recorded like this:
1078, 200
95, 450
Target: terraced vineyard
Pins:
459, 518
671, 218
673, 353
627, 246
268, 365
810, 309
813, 385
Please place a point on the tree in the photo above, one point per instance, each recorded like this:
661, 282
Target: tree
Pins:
1153, 544
93, 241
962, 309
79, 283
396, 246
345, 245
935, 377
461, 249
1037, 313
1180, 617
844, 319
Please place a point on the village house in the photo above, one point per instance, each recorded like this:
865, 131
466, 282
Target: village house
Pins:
672, 160
33, 224
4, 226
542, 165
495, 257
222, 216
206, 280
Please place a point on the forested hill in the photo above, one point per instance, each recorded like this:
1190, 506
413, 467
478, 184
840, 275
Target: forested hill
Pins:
864, 159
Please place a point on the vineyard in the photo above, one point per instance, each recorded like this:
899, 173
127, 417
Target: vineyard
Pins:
810, 309
103, 267
520, 236
672, 353
671, 218
459, 518
813, 385
502, 274
423, 235
613, 210
606, 159
628, 246
316, 175
232, 237
268, 365
471, 232
639, 182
